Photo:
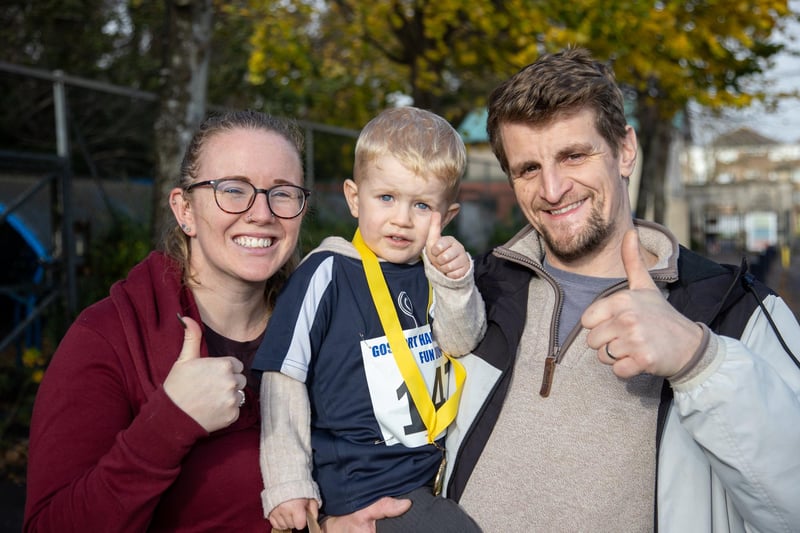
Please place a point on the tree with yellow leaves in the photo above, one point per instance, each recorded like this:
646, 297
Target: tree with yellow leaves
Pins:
670, 53
349, 58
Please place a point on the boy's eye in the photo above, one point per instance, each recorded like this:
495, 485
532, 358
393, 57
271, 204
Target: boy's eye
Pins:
422, 205
385, 197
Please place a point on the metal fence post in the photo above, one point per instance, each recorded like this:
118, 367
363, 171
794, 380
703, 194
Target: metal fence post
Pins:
65, 197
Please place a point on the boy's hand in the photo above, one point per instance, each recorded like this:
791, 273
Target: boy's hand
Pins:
445, 253
291, 514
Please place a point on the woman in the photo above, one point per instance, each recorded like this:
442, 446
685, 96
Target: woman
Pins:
145, 419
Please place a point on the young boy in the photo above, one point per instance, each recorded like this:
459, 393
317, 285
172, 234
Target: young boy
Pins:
351, 370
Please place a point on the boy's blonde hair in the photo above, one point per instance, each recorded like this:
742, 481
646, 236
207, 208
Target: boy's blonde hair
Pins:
423, 142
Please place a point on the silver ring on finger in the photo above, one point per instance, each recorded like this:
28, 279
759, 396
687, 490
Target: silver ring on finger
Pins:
609, 354
241, 401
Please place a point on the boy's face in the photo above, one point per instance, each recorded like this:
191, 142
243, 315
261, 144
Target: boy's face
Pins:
393, 207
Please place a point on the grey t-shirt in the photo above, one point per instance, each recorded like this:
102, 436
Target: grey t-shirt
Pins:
579, 292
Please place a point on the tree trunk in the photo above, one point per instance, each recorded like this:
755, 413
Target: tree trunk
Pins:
655, 135
184, 83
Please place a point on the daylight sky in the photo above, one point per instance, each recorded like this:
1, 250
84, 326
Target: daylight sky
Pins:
782, 125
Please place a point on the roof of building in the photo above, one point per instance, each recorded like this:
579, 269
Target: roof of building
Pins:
473, 127
743, 137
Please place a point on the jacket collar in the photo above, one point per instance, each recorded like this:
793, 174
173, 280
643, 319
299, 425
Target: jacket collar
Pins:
338, 245
527, 246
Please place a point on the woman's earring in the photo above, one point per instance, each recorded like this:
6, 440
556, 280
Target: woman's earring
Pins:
185, 228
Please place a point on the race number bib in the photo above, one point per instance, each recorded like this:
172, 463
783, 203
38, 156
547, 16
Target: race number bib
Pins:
392, 405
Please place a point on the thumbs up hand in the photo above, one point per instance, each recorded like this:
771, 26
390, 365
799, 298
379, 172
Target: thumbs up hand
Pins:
637, 330
208, 389
446, 254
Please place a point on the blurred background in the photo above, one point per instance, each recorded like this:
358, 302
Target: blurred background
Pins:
99, 98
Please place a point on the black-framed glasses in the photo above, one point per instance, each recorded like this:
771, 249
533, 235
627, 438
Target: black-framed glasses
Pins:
236, 195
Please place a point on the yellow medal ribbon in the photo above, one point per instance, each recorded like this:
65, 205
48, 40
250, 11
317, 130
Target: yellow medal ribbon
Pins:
436, 421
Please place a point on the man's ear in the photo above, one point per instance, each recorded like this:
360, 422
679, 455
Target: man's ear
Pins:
182, 210
450, 214
627, 152
351, 195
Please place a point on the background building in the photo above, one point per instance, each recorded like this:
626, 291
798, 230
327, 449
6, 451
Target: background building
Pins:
743, 193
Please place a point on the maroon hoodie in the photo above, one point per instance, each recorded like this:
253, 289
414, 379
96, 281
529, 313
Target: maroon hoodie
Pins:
109, 451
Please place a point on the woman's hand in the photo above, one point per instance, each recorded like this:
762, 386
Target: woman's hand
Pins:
208, 389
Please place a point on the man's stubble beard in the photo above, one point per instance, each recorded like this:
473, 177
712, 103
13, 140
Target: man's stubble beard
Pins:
591, 237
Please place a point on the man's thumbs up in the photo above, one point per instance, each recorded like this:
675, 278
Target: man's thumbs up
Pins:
637, 330
635, 267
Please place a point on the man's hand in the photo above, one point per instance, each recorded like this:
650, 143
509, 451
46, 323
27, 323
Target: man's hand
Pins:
638, 327
446, 254
363, 520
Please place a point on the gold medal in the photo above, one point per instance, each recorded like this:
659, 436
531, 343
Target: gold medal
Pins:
438, 480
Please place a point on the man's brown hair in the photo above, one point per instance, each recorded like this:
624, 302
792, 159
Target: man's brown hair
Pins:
555, 86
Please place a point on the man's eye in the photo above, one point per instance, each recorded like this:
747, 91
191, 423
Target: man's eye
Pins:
528, 172
572, 158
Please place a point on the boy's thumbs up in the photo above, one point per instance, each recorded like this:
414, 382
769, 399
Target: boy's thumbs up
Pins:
434, 233
446, 254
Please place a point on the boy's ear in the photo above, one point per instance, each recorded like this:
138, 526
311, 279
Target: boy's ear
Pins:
450, 214
350, 188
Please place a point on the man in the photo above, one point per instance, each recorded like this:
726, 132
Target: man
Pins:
563, 425
592, 404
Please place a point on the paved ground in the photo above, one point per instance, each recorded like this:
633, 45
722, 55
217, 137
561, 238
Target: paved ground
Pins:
786, 282
769, 269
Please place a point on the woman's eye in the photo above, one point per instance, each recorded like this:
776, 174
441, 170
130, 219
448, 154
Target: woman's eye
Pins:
280, 194
233, 187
